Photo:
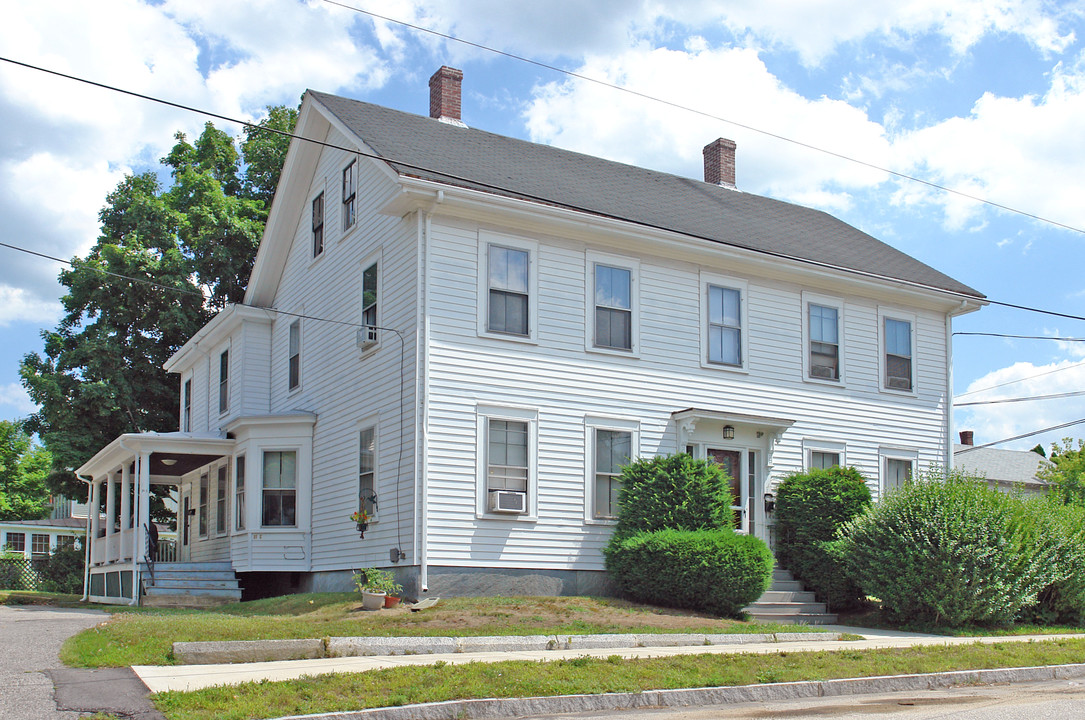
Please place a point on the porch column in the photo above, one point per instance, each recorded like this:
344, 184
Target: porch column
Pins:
93, 502
143, 498
110, 505
126, 496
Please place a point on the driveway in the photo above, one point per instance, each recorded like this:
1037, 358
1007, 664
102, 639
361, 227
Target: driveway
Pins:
31, 637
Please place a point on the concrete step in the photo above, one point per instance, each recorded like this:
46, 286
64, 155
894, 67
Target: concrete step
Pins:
785, 608
222, 566
203, 575
185, 601
231, 593
182, 583
782, 574
787, 596
787, 586
796, 619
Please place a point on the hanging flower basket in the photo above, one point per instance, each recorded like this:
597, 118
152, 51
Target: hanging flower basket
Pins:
361, 518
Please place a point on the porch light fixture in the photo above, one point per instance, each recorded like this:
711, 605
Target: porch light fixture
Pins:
728, 432
770, 502
169, 462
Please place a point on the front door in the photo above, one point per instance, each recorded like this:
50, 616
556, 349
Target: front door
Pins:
731, 462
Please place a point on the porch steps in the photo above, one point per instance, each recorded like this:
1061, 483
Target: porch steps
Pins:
787, 601
190, 585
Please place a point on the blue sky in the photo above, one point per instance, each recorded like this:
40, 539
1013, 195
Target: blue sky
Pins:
986, 96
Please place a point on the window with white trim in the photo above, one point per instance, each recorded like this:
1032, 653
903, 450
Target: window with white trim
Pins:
897, 467
224, 382
294, 356
824, 324
39, 544
318, 225
280, 482
221, 513
507, 450
823, 454
186, 413
613, 293
65, 542
239, 492
201, 513
350, 188
823, 460
723, 322
370, 304
613, 449
508, 297
897, 362
367, 471
16, 542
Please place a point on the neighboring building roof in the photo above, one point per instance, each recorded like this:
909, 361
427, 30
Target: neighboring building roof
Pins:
1006, 467
65, 523
428, 149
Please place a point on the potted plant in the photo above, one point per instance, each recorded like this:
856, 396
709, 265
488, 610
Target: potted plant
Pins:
376, 587
361, 518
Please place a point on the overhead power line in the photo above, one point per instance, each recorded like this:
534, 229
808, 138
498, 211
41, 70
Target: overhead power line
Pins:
1027, 377
706, 114
1022, 436
1056, 396
1021, 337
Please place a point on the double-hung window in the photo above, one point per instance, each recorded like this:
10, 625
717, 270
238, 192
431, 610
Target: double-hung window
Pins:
201, 514
224, 381
294, 360
897, 467
370, 304
823, 327
186, 417
613, 449
506, 454
279, 488
613, 293
318, 225
221, 520
823, 460
239, 493
350, 187
823, 454
507, 270
39, 544
367, 471
723, 322
898, 354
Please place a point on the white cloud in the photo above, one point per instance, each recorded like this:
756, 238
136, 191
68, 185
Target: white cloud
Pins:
20, 305
1004, 420
14, 402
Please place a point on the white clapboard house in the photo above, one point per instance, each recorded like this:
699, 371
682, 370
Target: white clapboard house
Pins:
466, 335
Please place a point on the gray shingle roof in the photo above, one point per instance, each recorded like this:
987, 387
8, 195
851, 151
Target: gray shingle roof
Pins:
475, 159
1014, 467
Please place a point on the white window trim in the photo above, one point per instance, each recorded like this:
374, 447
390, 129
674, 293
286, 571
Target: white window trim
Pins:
813, 445
376, 257
226, 484
343, 227
485, 239
592, 259
319, 188
372, 421
259, 451
730, 283
825, 301
243, 515
483, 414
894, 314
301, 336
188, 382
204, 532
231, 377
894, 453
603, 422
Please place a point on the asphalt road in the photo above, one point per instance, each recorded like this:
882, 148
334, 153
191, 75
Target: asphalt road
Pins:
1054, 700
30, 639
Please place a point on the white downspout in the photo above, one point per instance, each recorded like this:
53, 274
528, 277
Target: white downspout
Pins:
86, 539
423, 376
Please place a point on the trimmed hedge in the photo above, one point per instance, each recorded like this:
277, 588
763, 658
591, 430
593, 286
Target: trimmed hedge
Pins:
947, 550
810, 508
675, 491
1063, 601
717, 571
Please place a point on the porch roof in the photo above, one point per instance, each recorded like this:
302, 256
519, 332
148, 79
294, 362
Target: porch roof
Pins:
722, 416
173, 453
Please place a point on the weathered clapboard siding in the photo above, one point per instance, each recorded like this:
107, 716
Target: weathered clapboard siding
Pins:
564, 383
341, 383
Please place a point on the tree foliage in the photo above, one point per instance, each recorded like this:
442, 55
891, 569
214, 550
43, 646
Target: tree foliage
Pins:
1067, 475
100, 373
676, 492
23, 469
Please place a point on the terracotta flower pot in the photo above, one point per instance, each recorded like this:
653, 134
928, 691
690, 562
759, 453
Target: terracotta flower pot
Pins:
390, 601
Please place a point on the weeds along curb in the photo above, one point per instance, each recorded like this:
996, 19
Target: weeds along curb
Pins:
236, 651
519, 707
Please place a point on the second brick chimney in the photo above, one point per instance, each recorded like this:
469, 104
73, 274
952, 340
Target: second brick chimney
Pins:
966, 437
719, 162
444, 95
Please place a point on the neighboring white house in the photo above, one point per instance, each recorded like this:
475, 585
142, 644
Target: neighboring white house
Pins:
466, 335
38, 538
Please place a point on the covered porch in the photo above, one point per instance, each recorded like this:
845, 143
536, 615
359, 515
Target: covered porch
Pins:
120, 477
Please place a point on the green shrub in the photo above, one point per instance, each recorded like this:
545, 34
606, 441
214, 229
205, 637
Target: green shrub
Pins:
947, 550
62, 572
810, 508
1063, 601
717, 571
676, 492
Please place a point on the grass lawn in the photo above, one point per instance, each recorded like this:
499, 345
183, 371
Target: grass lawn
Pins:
145, 636
28, 597
407, 685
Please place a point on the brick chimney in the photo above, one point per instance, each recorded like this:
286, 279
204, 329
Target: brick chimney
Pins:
719, 162
444, 95
966, 437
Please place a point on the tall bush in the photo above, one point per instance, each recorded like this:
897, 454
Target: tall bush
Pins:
948, 550
718, 571
676, 492
810, 508
1063, 601
62, 572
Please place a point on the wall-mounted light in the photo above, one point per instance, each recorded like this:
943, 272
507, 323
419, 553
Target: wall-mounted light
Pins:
770, 502
169, 462
728, 432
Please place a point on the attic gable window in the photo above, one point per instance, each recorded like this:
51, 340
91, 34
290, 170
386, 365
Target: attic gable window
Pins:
294, 360
318, 225
350, 182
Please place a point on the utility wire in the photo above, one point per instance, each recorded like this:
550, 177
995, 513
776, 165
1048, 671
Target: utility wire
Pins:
711, 116
1028, 377
1021, 337
1021, 399
1019, 437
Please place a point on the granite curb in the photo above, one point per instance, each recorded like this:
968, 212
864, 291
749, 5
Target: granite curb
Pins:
493, 708
246, 651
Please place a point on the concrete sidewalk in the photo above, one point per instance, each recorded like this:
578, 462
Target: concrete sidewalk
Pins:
193, 677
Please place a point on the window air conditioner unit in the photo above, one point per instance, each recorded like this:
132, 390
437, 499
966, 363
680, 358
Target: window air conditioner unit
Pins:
508, 501
899, 383
367, 336
823, 371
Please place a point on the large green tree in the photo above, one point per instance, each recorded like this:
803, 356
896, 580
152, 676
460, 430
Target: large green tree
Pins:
23, 469
1067, 474
166, 259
